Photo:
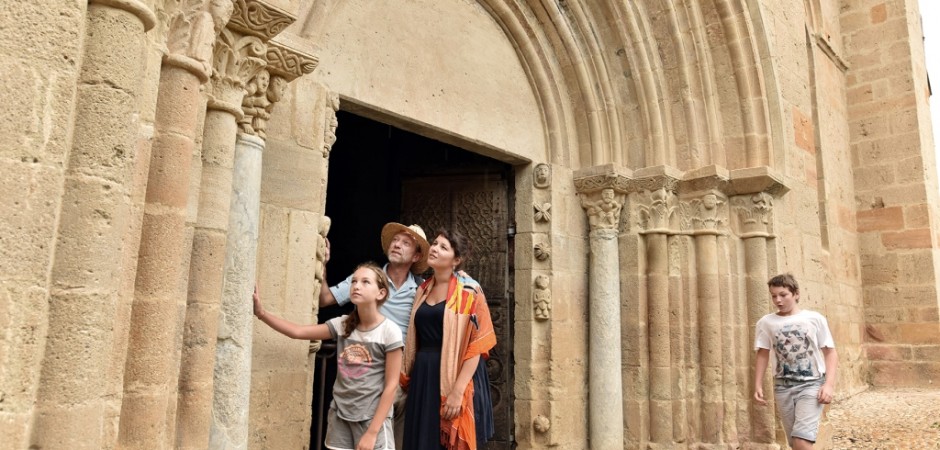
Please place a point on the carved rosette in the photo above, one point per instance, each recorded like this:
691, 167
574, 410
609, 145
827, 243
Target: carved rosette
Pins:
542, 251
258, 19
754, 214
543, 212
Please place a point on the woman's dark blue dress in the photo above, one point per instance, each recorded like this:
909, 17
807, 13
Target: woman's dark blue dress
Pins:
423, 405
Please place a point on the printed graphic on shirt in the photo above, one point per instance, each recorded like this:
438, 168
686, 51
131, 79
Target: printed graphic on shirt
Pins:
354, 361
795, 354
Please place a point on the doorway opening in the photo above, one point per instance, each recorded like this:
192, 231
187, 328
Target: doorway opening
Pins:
378, 174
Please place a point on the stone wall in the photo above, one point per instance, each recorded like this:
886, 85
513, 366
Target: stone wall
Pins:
897, 198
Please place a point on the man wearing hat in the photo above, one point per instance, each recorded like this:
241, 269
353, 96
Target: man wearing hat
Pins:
407, 252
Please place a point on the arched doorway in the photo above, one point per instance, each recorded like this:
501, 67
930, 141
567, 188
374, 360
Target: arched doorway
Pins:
379, 173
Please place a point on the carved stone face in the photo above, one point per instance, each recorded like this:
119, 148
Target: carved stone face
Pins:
607, 195
541, 282
542, 174
710, 201
262, 80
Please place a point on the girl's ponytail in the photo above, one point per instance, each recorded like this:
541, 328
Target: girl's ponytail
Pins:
381, 280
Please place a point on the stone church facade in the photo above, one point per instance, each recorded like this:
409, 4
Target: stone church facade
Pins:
664, 158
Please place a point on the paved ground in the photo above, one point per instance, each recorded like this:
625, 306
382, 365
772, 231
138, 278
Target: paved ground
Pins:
885, 419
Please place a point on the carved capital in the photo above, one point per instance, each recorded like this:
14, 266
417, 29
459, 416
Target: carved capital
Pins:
259, 19
656, 211
192, 31
236, 60
706, 214
754, 214
287, 62
603, 208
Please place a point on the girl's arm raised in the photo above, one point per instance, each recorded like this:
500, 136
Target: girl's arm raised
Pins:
290, 329
392, 369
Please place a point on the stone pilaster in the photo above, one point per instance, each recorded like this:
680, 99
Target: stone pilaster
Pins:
603, 201
85, 285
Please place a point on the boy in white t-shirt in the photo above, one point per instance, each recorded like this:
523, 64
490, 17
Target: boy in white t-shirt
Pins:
805, 362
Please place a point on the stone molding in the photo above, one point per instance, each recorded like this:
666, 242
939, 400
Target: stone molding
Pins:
259, 19
289, 63
135, 7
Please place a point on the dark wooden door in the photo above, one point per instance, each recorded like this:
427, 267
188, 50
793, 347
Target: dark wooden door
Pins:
478, 206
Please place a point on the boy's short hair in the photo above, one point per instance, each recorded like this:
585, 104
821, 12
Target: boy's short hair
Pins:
785, 280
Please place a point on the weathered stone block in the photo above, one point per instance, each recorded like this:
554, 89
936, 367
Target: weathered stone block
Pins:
907, 239
880, 219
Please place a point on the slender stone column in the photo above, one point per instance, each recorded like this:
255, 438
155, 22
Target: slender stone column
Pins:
710, 323
605, 379
232, 375
657, 256
754, 213
85, 286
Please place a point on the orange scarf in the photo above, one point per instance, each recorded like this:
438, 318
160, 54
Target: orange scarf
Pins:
468, 332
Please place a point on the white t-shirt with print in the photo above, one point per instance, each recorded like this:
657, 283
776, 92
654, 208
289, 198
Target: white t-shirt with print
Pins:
796, 341
360, 362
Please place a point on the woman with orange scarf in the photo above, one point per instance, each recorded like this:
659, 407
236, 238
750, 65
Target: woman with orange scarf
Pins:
448, 404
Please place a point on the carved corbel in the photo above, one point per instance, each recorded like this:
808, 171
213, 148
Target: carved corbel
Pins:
192, 31
754, 213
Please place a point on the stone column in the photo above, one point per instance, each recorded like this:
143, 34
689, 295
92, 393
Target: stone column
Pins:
606, 390
237, 59
754, 215
84, 284
658, 213
232, 374
159, 298
710, 300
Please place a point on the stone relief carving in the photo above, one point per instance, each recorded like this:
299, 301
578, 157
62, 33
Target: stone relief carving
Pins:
256, 18
321, 255
603, 213
261, 93
543, 212
542, 298
542, 251
329, 128
194, 29
754, 212
541, 423
657, 209
543, 176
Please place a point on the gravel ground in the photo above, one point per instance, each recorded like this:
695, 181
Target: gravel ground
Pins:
885, 419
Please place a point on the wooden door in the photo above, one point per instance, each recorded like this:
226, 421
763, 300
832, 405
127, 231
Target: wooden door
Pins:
478, 206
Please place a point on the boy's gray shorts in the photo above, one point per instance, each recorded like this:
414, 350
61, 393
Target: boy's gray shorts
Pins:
800, 410
344, 435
